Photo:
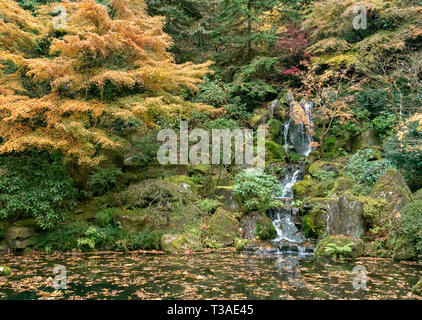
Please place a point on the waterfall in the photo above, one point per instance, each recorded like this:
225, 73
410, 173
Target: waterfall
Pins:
297, 138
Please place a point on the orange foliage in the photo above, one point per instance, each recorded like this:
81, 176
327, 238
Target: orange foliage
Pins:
56, 99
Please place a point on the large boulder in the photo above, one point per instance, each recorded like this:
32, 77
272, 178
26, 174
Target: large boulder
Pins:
259, 117
258, 225
366, 140
345, 216
19, 237
324, 166
417, 195
403, 251
392, 187
181, 243
340, 244
134, 221
223, 227
229, 200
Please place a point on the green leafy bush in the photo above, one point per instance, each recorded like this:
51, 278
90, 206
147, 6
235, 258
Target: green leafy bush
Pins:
365, 171
104, 180
147, 240
257, 189
208, 205
409, 226
35, 184
147, 148
105, 217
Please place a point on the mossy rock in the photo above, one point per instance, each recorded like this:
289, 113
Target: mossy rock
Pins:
183, 181
324, 166
417, 195
181, 243
265, 229
135, 221
403, 251
203, 169
392, 187
230, 201
305, 188
274, 151
343, 184
275, 127
240, 244
366, 140
340, 241
257, 224
222, 227
5, 271
259, 117
314, 221
19, 237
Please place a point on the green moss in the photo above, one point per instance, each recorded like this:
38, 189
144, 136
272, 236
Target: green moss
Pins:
265, 229
181, 243
304, 189
327, 247
5, 271
343, 184
323, 166
417, 195
417, 288
240, 244
274, 151
222, 227
181, 180
275, 128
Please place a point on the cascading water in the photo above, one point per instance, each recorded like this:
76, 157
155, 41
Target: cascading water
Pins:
297, 138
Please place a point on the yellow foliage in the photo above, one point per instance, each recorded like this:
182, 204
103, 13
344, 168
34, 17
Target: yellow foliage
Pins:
58, 102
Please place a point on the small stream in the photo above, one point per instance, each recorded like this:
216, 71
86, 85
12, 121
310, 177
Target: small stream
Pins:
223, 274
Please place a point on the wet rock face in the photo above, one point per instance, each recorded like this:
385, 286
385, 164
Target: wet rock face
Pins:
392, 187
18, 238
345, 216
258, 224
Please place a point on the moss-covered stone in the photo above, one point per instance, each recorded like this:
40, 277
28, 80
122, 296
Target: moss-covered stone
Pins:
259, 117
240, 244
314, 222
19, 237
341, 243
403, 250
222, 227
265, 229
275, 127
392, 187
343, 184
323, 166
230, 201
366, 140
181, 243
183, 181
304, 189
5, 271
274, 151
417, 195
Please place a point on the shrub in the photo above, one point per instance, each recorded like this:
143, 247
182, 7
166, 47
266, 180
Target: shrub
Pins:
410, 225
365, 171
208, 205
105, 217
338, 252
257, 189
147, 240
35, 184
104, 180
147, 149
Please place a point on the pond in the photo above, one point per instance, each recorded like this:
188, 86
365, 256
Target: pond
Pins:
222, 274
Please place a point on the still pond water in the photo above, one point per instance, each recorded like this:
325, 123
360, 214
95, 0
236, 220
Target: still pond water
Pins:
217, 275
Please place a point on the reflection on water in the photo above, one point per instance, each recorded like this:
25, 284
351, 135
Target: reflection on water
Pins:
218, 275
